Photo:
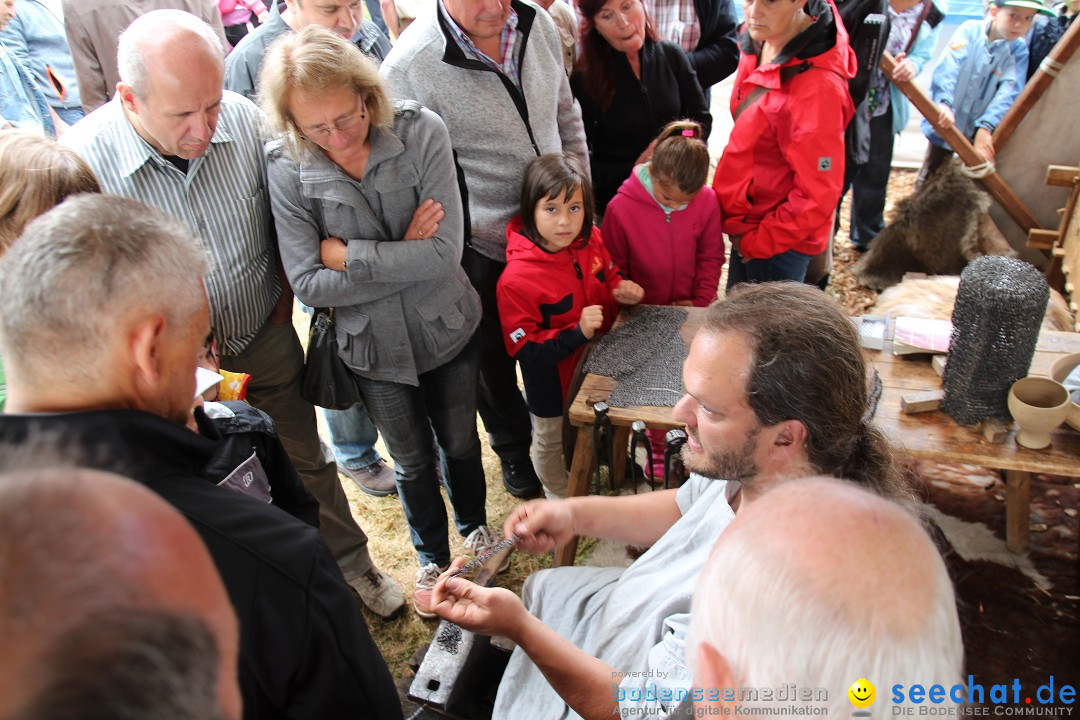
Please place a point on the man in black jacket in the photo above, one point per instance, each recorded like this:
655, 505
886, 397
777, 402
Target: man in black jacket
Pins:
104, 312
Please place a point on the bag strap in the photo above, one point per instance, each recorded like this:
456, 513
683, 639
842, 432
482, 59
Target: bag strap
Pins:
320, 224
923, 14
786, 73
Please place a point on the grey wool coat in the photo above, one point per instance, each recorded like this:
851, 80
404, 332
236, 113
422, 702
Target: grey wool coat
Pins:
403, 307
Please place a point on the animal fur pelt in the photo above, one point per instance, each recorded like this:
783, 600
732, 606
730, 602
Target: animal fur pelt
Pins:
933, 298
937, 231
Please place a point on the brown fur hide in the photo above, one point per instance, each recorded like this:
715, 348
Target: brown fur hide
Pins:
933, 298
937, 231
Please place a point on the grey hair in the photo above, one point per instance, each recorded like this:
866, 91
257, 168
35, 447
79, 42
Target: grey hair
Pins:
129, 664
776, 622
130, 55
79, 271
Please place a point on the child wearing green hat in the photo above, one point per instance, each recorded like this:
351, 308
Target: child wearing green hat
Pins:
979, 77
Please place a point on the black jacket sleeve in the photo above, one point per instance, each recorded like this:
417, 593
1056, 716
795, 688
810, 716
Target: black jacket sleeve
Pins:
717, 53
691, 96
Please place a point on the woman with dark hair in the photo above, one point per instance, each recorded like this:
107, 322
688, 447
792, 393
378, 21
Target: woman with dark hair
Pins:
630, 85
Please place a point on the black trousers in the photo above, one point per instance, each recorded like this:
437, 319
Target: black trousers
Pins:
500, 403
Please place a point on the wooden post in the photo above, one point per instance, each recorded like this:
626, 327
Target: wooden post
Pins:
1017, 509
580, 470
1040, 81
1004, 194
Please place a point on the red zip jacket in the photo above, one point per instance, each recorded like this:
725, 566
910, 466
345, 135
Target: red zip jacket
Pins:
674, 256
780, 177
541, 296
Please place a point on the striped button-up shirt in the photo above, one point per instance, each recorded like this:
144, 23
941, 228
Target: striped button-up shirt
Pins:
222, 198
508, 42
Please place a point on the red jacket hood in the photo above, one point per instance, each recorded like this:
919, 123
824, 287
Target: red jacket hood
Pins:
824, 44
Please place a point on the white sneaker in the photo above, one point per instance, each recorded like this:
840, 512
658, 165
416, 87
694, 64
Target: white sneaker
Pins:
380, 592
481, 540
425, 583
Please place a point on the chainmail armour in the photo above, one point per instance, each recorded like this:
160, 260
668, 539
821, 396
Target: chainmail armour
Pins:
645, 355
996, 321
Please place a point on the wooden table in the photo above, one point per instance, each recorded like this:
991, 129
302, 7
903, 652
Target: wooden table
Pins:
931, 436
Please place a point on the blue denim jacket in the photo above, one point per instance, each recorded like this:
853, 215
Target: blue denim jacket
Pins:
36, 37
978, 79
21, 103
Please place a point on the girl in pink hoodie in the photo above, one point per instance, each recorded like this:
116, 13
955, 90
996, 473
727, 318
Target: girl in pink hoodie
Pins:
663, 226
663, 230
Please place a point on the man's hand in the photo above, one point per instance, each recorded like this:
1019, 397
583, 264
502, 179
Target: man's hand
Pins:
628, 292
425, 221
334, 253
592, 317
984, 144
904, 70
541, 525
488, 611
945, 116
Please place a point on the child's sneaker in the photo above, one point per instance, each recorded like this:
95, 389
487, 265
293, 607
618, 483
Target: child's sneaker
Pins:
481, 540
425, 584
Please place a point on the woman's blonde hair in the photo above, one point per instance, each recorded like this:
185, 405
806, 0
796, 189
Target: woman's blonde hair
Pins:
681, 156
36, 174
316, 60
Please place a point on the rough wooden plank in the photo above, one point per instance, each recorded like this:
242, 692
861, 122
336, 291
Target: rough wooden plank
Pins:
921, 402
994, 430
938, 364
1062, 175
1043, 239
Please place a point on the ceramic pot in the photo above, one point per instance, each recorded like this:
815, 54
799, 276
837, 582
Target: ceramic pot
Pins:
1059, 371
1038, 405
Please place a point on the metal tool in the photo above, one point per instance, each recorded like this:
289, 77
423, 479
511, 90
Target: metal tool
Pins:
603, 439
673, 441
485, 556
640, 437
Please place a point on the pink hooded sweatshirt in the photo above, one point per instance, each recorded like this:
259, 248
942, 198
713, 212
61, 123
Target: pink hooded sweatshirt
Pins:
674, 255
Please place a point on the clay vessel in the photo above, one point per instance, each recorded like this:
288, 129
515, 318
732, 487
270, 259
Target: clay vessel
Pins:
1059, 371
1038, 405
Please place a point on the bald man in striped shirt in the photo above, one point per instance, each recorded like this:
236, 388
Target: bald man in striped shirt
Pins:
172, 138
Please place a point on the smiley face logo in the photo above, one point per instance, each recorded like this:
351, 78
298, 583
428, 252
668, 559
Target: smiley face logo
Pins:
862, 693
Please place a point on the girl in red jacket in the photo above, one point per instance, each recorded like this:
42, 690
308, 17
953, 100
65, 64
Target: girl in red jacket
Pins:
559, 288
663, 226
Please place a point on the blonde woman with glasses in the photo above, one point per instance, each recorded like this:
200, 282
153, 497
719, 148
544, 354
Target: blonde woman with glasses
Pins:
370, 222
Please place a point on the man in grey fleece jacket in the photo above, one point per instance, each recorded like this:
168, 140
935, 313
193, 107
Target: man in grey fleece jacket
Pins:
493, 71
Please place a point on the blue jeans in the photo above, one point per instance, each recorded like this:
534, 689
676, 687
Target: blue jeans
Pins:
353, 437
790, 265
352, 434
445, 402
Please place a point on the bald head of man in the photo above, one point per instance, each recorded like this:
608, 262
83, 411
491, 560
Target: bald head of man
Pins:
172, 70
99, 570
821, 583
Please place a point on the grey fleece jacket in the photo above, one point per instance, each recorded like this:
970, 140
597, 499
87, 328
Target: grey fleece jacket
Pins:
403, 307
494, 128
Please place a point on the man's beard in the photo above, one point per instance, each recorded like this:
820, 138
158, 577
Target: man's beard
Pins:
734, 465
